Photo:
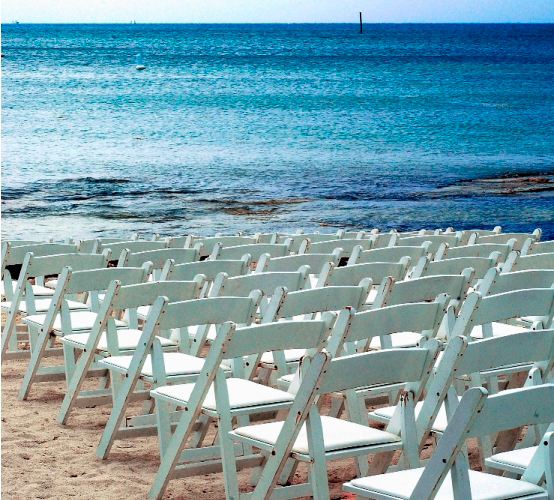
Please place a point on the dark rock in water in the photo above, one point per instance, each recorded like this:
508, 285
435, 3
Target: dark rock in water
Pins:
501, 186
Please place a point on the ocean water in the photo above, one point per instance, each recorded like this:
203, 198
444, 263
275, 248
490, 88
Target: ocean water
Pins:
276, 127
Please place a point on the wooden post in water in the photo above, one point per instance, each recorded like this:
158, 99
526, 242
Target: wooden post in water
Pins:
360, 23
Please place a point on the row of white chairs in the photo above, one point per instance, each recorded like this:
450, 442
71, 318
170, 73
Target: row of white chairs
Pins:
152, 362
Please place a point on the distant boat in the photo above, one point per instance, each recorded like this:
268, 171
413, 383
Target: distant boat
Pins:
16, 22
140, 66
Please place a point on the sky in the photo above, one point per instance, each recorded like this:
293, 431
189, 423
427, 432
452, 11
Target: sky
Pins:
276, 11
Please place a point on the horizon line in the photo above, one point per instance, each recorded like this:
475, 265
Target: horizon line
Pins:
125, 23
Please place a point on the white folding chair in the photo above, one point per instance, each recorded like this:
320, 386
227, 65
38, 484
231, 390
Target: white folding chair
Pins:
255, 251
347, 246
516, 262
532, 247
480, 250
13, 257
209, 243
150, 364
218, 397
25, 303
388, 254
447, 474
505, 237
105, 339
44, 329
308, 437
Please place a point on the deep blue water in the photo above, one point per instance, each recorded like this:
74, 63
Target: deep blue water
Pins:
385, 129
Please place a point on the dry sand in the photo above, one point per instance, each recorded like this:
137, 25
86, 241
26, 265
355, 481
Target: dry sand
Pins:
43, 459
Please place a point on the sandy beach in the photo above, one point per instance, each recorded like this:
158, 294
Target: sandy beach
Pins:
43, 459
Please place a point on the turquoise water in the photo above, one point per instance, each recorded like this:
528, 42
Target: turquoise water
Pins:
274, 127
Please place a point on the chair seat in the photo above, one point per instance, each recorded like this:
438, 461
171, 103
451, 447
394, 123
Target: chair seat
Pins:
242, 394
42, 305
80, 320
519, 459
401, 339
291, 356
498, 330
483, 486
127, 340
39, 291
52, 284
371, 296
142, 311
212, 333
337, 435
385, 413
176, 364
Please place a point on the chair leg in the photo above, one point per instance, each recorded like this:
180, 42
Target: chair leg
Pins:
199, 435
120, 404
70, 361
9, 340
354, 405
163, 420
317, 469
34, 364
337, 406
74, 380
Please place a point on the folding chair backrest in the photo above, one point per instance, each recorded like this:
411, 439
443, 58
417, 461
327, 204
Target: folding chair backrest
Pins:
314, 238
241, 286
479, 310
130, 297
88, 246
377, 271
435, 240
331, 298
384, 240
387, 254
424, 289
355, 235
532, 247
12, 256
329, 246
158, 257
18, 243
505, 237
37, 266
100, 279
480, 266
421, 317
179, 242
316, 261
133, 246
255, 251
478, 415
267, 238
515, 262
533, 346
388, 366
420, 232
528, 406
278, 336
213, 310
496, 282
145, 294
480, 250
474, 234
226, 241
209, 268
